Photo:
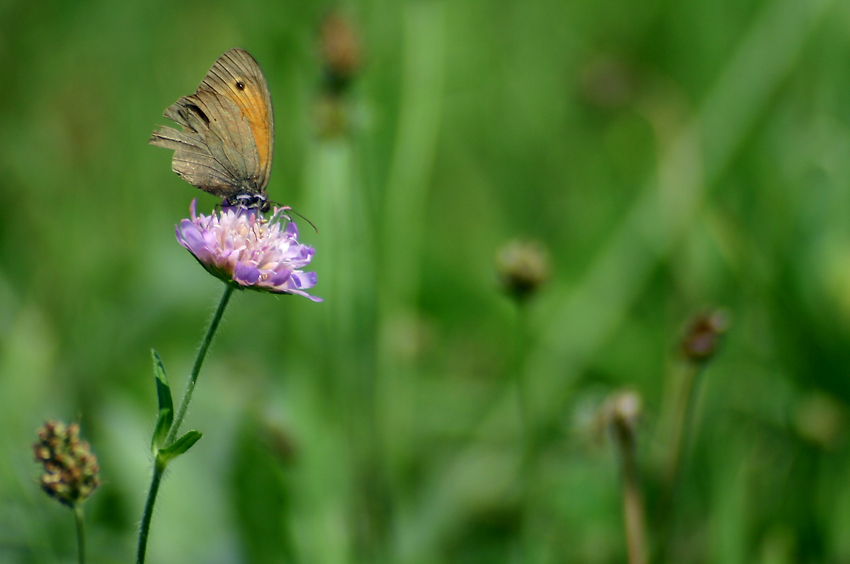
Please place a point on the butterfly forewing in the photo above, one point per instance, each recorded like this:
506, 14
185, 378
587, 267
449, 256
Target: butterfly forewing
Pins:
226, 144
238, 75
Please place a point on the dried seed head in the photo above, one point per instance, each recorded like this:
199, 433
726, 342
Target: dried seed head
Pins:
71, 473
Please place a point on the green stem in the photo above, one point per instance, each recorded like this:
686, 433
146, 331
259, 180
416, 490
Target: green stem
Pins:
159, 466
683, 424
683, 429
633, 507
158, 470
519, 380
199, 360
81, 533
526, 432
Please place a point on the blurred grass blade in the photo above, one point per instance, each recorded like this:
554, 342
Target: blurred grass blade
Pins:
404, 217
413, 154
580, 319
586, 316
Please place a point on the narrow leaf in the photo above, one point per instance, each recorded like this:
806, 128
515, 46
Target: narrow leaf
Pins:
163, 424
163, 391
178, 447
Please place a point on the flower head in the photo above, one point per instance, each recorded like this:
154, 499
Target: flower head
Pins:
245, 249
621, 411
523, 266
702, 338
340, 50
71, 473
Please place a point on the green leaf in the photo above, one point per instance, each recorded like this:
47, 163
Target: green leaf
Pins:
178, 447
166, 407
163, 424
163, 391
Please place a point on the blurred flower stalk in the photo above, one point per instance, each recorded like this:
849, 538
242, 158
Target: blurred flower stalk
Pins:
620, 414
71, 473
697, 347
523, 267
245, 250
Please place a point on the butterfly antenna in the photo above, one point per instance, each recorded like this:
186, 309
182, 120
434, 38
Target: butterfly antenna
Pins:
289, 209
316, 229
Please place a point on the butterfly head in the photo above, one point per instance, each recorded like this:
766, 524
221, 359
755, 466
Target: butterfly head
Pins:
253, 201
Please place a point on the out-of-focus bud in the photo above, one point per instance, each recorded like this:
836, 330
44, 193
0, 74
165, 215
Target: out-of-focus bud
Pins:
280, 442
821, 419
608, 83
71, 473
523, 266
702, 338
340, 52
621, 412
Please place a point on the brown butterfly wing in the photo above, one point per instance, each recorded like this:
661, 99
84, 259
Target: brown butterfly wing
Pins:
227, 141
238, 75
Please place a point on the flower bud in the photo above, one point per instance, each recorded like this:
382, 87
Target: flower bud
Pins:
702, 337
821, 419
621, 412
340, 51
523, 266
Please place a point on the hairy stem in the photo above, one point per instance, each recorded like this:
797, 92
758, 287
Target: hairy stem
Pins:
159, 466
158, 470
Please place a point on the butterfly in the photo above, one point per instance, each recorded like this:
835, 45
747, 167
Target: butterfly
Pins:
227, 141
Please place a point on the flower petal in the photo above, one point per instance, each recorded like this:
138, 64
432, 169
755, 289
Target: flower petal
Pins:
246, 275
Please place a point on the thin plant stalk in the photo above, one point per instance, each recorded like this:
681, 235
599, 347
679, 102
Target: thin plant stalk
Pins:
199, 360
680, 439
683, 423
158, 471
699, 345
519, 380
633, 506
81, 533
526, 430
159, 466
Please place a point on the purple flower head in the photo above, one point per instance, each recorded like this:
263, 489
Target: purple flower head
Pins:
243, 248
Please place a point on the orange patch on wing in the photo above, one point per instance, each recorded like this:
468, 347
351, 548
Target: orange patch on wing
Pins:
259, 122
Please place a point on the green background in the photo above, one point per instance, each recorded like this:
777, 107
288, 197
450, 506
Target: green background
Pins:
673, 155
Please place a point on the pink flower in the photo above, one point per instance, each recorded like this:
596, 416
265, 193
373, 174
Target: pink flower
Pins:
241, 247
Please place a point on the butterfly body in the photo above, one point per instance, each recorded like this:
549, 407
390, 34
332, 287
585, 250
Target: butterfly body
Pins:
227, 141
